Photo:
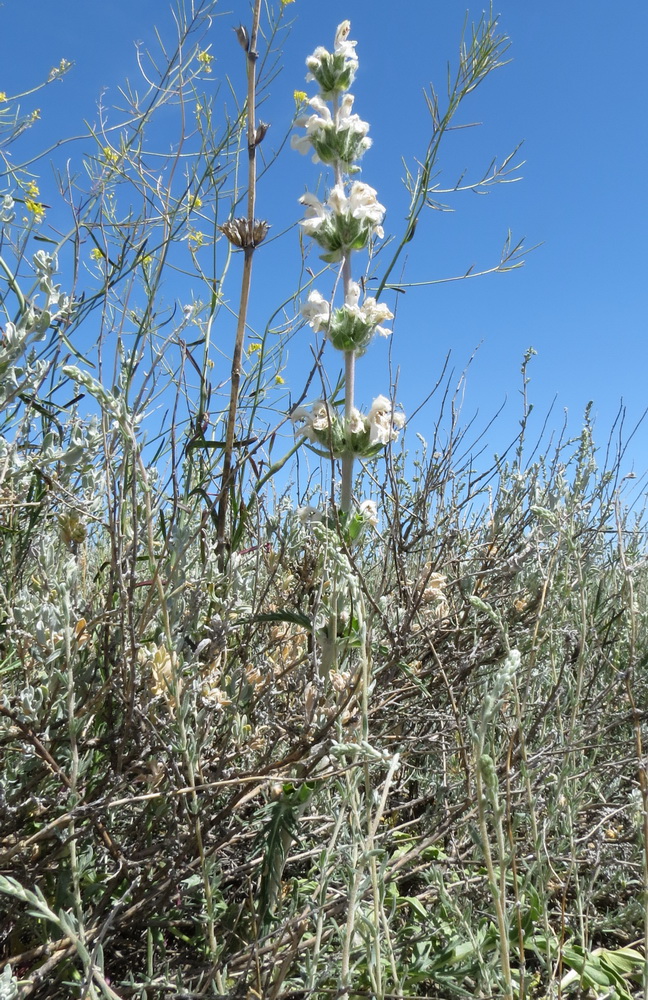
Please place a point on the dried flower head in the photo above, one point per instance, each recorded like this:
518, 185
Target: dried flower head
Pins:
241, 234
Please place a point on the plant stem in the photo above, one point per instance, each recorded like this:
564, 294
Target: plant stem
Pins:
349, 399
487, 794
227, 476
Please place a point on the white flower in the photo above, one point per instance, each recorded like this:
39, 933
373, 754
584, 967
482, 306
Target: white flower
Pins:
309, 515
316, 311
301, 143
346, 105
337, 200
343, 137
376, 313
384, 424
316, 214
309, 422
363, 204
343, 46
369, 512
313, 62
300, 417
348, 122
356, 422
352, 296
320, 105
321, 415
329, 223
313, 124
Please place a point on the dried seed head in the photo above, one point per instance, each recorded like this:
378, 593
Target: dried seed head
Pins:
241, 234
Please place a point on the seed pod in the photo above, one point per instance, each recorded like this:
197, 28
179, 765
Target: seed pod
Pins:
243, 37
260, 133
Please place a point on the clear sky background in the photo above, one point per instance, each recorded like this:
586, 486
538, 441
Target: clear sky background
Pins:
575, 92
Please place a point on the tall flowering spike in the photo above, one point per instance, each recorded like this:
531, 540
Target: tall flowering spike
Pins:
347, 220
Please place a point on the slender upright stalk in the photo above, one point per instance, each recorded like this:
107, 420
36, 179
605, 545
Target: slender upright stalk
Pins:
228, 472
347, 222
486, 788
349, 358
349, 394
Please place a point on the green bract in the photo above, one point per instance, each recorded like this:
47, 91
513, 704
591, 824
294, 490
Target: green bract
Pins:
348, 331
340, 234
332, 71
333, 145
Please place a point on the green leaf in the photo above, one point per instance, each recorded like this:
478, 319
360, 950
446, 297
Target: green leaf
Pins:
416, 906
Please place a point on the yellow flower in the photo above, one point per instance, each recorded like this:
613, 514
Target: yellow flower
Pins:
32, 190
3, 97
254, 347
96, 253
194, 202
35, 207
279, 380
285, 2
110, 155
196, 239
205, 61
59, 70
299, 97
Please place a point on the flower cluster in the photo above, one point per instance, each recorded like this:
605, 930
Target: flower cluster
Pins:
363, 435
342, 138
343, 223
351, 327
334, 71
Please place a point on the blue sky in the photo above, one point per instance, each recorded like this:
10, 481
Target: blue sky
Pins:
575, 92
